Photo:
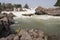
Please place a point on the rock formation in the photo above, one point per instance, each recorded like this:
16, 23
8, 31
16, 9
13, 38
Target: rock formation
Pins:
40, 11
5, 22
53, 11
50, 11
32, 34
27, 14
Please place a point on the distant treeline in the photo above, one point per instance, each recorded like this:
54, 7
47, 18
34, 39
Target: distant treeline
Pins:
5, 6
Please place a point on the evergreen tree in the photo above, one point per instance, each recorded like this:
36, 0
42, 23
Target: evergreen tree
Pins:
0, 7
26, 6
0, 3
57, 3
18, 5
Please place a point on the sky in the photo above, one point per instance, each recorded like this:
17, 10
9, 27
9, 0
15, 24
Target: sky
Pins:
32, 3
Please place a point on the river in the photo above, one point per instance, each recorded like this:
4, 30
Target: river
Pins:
49, 24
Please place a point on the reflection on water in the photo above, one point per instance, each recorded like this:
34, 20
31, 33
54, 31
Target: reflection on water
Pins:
46, 23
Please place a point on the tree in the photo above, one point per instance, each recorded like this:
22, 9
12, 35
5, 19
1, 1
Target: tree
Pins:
0, 3
0, 7
26, 6
57, 3
9, 5
18, 5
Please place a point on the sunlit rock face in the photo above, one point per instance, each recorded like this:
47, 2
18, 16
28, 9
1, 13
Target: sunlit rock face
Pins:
40, 10
50, 11
54, 11
32, 34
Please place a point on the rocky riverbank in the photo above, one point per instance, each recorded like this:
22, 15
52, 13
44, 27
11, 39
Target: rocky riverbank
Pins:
32, 34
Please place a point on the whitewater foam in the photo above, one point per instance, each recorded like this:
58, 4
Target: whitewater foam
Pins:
19, 15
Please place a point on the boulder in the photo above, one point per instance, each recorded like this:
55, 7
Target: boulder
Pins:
5, 21
3, 39
40, 11
37, 34
10, 37
25, 35
16, 37
33, 34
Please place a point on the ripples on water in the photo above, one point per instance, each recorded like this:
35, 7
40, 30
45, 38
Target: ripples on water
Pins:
49, 24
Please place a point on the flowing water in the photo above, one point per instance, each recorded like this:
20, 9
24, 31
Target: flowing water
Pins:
49, 24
